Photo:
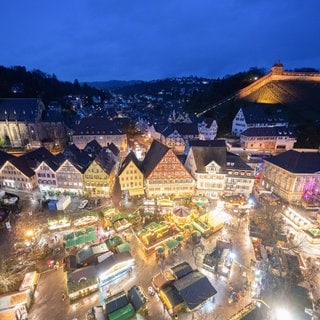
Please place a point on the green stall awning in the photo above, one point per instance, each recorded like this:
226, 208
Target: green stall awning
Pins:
172, 244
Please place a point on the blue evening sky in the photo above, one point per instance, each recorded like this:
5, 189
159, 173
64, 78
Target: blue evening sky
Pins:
152, 39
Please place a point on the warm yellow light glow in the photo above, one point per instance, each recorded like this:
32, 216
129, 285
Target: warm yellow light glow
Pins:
282, 313
29, 233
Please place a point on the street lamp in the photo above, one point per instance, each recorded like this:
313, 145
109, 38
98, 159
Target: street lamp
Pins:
278, 313
29, 233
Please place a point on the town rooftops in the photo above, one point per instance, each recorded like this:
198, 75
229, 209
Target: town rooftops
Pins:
4, 157
204, 155
131, 157
181, 270
234, 162
208, 143
33, 158
22, 165
156, 152
20, 109
297, 162
191, 285
260, 113
268, 132
96, 126
182, 128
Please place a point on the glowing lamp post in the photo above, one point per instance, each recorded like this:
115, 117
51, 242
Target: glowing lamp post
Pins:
29, 233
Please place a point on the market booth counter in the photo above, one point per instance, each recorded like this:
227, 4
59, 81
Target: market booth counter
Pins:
155, 234
14, 306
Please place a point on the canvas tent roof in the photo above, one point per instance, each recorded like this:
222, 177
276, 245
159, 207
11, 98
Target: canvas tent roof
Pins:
194, 288
137, 297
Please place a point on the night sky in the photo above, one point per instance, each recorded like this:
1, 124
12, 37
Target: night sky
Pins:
152, 39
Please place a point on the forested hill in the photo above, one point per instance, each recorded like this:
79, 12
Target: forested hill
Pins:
16, 82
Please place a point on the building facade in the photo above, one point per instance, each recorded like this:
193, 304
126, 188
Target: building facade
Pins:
268, 139
19, 119
131, 177
97, 179
206, 163
15, 174
70, 178
165, 175
294, 176
46, 176
101, 130
254, 116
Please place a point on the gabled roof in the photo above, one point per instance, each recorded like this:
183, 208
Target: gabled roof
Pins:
183, 129
204, 155
181, 270
235, 162
93, 145
269, 132
85, 272
136, 297
208, 121
170, 129
155, 153
71, 151
116, 302
20, 109
105, 161
4, 157
22, 166
208, 143
131, 157
35, 157
160, 127
51, 163
74, 163
187, 128
113, 148
194, 288
113, 260
172, 295
80, 159
261, 113
85, 254
96, 126
297, 162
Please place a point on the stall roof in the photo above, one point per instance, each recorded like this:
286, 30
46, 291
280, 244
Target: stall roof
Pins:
125, 313
110, 262
173, 296
123, 247
116, 302
194, 288
172, 244
137, 297
82, 273
182, 269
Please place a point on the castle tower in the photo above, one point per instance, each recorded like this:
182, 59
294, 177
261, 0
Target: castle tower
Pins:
277, 68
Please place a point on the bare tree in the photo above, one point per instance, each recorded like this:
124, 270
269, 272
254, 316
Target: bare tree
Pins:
8, 278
